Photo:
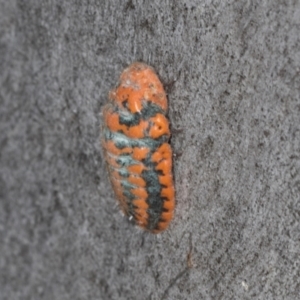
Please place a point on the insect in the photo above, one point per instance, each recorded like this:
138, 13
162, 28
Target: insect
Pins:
135, 140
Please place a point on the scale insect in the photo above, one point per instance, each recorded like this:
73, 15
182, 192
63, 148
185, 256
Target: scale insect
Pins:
135, 139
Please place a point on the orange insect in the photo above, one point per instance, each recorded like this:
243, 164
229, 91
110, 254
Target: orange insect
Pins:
135, 139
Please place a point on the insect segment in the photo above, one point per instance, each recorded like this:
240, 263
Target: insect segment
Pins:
135, 141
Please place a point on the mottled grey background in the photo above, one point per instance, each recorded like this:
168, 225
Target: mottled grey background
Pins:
232, 73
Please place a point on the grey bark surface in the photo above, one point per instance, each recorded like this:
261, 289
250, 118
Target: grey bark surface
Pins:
232, 74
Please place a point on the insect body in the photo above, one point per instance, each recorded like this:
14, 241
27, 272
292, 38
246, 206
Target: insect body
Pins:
135, 140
